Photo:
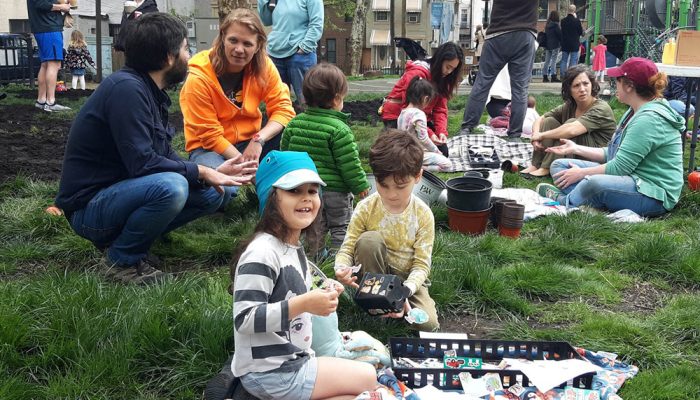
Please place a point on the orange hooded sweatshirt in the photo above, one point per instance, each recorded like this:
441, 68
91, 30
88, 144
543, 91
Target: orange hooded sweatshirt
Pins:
213, 122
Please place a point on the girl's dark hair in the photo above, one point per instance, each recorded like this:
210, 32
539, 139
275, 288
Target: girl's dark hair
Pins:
655, 88
271, 223
446, 85
554, 16
418, 89
569, 78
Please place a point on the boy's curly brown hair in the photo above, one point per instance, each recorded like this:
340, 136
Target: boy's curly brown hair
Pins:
396, 153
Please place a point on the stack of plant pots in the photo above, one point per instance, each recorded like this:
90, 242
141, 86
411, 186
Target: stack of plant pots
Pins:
511, 219
496, 207
468, 204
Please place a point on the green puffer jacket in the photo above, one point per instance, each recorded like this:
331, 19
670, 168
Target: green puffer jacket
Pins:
325, 135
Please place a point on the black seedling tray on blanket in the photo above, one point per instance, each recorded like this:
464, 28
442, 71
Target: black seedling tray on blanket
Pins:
490, 351
477, 160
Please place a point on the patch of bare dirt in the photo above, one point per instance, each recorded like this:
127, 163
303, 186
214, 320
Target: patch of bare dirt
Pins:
476, 326
642, 297
70, 94
33, 147
363, 111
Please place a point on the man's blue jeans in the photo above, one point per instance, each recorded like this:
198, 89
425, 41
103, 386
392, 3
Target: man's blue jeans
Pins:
568, 60
292, 70
128, 216
607, 192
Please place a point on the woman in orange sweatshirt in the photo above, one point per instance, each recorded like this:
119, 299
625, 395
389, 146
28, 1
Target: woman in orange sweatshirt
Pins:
224, 89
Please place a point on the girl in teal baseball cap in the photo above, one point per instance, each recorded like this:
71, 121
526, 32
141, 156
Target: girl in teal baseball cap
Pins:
273, 299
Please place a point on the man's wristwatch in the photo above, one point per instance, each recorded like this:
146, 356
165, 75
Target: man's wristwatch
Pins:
257, 138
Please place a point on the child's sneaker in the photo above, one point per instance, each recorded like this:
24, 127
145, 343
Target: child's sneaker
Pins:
40, 106
55, 107
548, 190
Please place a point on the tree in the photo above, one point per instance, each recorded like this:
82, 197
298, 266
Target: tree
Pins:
226, 6
357, 34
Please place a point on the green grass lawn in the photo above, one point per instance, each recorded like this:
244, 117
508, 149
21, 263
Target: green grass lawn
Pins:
65, 333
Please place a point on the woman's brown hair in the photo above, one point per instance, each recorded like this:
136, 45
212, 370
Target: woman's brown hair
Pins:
251, 21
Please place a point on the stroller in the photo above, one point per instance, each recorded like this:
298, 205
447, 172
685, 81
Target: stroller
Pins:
413, 50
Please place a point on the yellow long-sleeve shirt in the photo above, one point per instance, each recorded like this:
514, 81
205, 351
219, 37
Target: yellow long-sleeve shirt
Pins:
409, 236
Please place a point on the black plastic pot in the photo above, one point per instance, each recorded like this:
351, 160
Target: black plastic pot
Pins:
469, 193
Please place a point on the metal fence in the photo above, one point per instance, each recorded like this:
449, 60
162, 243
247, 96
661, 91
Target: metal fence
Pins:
397, 70
18, 63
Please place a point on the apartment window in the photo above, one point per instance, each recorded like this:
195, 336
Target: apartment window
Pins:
413, 18
543, 9
381, 16
19, 26
331, 53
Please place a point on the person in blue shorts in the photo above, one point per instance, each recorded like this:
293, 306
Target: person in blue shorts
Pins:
46, 21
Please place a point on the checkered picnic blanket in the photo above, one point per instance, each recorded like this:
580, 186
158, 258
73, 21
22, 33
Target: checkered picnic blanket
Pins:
517, 152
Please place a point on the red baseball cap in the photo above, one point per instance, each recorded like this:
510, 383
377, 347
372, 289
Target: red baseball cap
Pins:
637, 69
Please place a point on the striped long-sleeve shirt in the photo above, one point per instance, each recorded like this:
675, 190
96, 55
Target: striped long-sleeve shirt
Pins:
269, 273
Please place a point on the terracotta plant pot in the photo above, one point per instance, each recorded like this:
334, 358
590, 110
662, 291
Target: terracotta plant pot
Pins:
469, 222
509, 232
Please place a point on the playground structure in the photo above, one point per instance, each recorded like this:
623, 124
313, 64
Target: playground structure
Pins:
639, 27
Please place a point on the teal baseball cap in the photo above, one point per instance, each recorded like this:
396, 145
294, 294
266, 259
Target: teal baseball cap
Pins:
285, 170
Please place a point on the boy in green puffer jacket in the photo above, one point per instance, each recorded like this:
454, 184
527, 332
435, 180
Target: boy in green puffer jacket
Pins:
322, 131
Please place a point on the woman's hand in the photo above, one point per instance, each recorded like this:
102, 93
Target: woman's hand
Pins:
217, 179
569, 176
567, 147
236, 167
537, 145
252, 151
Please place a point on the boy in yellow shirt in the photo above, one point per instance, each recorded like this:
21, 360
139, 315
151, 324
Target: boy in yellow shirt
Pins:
392, 231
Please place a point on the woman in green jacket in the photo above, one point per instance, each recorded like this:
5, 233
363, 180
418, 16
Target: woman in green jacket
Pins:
642, 167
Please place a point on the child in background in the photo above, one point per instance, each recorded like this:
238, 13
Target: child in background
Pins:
392, 231
419, 94
273, 300
599, 58
530, 115
78, 58
322, 131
